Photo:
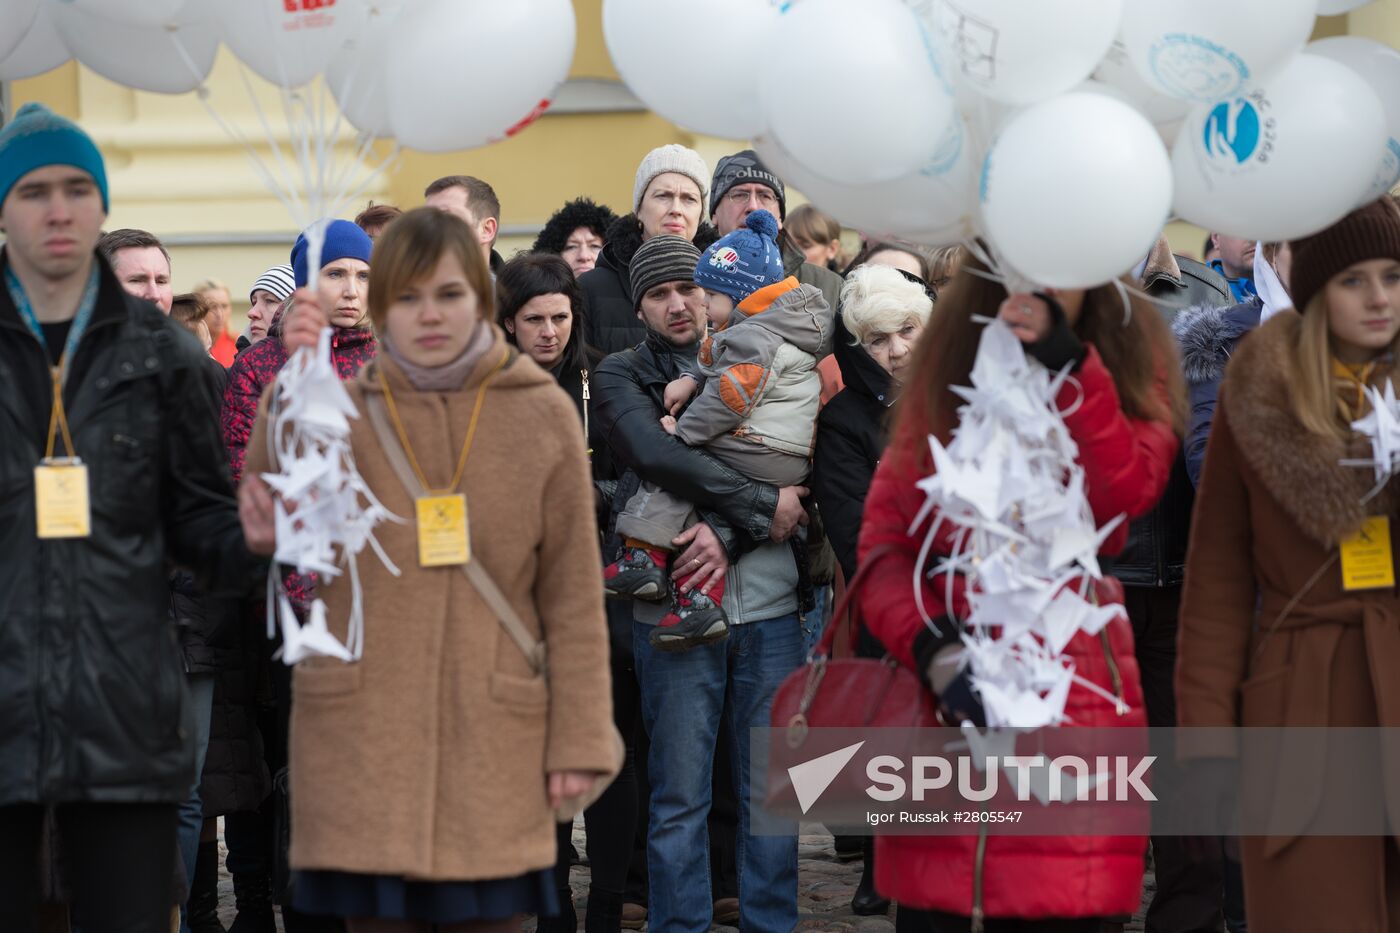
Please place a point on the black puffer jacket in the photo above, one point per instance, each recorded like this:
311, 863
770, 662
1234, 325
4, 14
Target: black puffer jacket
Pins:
204, 624
610, 315
92, 696
627, 393
851, 437
208, 627
236, 777
1156, 550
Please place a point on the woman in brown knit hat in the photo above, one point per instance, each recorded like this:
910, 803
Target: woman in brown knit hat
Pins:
426, 777
1279, 625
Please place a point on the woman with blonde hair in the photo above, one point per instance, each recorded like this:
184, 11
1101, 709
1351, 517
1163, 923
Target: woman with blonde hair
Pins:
215, 294
426, 778
1277, 628
816, 236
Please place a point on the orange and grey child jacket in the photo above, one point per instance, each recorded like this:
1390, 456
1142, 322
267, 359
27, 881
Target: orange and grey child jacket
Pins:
761, 381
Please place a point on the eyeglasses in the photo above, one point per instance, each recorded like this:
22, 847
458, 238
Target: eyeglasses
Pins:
765, 196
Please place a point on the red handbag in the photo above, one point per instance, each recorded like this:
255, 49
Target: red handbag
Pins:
845, 693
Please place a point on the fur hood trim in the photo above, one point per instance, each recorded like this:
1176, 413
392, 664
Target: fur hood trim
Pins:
1207, 335
1300, 469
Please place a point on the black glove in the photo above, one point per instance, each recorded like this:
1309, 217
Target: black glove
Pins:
1061, 346
957, 701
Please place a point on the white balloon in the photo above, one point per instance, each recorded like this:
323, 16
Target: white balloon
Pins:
879, 111
42, 49
734, 34
359, 76
168, 61
1168, 128
934, 205
1207, 50
1075, 190
1379, 66
1287, 160
1116, 71
289, 42
197, 11
128, 12
1017, 52
470, 72
19, 16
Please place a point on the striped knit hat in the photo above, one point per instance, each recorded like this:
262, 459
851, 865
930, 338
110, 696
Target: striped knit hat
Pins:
278, 281
661, 259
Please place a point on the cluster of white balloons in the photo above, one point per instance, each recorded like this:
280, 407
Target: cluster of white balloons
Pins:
464, 72
1065, 132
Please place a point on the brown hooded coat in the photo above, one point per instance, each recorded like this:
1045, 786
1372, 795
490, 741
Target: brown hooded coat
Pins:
428, 757
1273, 503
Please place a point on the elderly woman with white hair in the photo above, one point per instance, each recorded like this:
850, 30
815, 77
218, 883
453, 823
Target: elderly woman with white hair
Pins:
883, 312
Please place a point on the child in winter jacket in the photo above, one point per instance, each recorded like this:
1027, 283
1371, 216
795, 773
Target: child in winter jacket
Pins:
756, 412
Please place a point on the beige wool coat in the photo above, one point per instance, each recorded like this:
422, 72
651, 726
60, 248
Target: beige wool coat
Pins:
428, 758
1273, 503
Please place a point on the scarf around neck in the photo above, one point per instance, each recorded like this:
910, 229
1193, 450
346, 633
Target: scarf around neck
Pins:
448, 377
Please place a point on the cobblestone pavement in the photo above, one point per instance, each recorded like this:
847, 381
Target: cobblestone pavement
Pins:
824, 889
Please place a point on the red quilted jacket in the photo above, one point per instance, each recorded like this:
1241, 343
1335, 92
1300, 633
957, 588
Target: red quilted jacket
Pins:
1127, 463
252, 372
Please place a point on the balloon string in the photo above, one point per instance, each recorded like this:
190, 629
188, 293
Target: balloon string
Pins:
260, 166
295, 205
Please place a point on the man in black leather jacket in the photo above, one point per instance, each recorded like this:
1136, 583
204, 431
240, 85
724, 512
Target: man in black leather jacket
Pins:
685, 695
94, 718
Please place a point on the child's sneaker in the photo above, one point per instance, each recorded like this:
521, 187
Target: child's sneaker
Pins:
639, 573
695, 619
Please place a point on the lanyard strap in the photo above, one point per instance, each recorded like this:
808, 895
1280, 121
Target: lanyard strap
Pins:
86, 306
58, 418
471, 428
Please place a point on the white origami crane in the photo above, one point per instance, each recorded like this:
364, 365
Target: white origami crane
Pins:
1009, 495
325, 512
1382, 426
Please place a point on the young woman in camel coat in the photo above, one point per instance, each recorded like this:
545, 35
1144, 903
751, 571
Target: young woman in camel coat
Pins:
1269, 636
426, 777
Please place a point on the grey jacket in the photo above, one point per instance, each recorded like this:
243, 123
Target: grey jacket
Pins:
761, 381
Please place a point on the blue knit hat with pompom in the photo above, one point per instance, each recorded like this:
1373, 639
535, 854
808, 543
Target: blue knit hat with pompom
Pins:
744, 261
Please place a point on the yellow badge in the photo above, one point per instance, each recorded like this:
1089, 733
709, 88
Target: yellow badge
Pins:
1367, 563
61, 498
443, 540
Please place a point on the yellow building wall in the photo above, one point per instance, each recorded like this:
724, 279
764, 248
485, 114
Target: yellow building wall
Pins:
173, 170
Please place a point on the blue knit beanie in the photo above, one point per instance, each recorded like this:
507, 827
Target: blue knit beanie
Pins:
344, 240
744, 261
37, 137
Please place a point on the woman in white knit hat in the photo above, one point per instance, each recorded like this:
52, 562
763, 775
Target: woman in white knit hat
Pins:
668, 197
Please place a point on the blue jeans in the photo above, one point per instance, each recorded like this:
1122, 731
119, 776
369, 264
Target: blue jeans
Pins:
815, 622
684, 694
191, 814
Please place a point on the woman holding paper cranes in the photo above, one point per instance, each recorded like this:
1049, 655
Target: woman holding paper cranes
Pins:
1123, 408
428, 775
1289, 614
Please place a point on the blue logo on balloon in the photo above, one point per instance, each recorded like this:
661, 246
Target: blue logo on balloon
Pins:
1233, 130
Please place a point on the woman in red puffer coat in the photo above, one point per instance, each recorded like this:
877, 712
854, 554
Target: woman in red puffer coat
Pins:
1124, 409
